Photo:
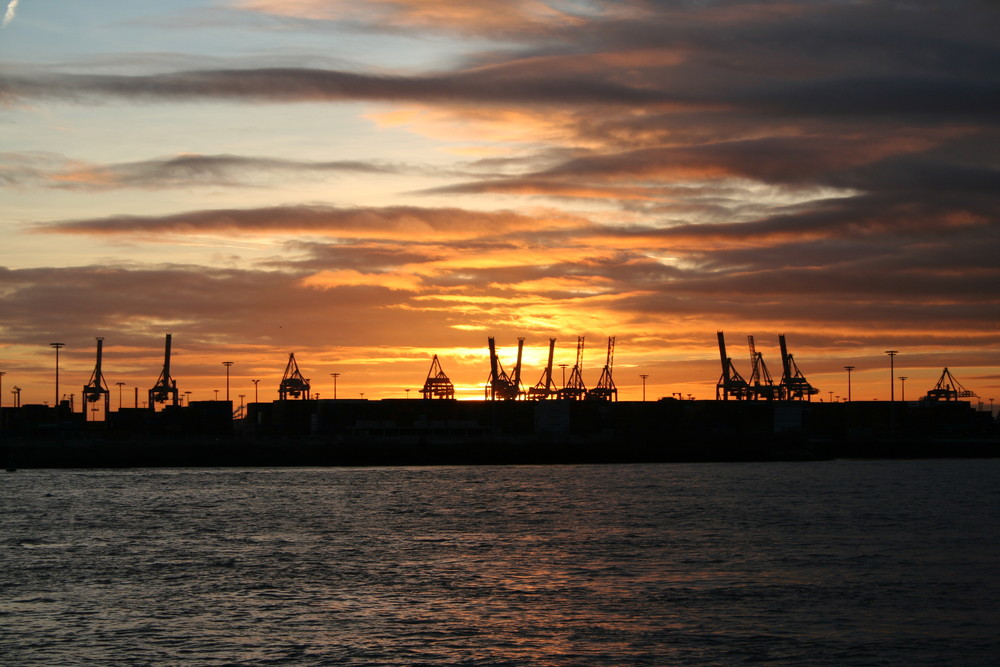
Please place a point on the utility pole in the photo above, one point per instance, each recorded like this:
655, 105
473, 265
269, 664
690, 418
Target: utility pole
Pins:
255, 399
848, 369
902, 388
120, 385
2, 373
335, 376
644, 376
58, 346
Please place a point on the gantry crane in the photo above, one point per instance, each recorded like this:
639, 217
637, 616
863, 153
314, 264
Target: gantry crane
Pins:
761, 383
605, 389
437, 384
575, 389
97, 388
948, 389
500, 385
730, 383
292, 382
546, 387
166, 387
794, 385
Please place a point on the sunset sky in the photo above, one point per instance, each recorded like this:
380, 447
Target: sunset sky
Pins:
369, 183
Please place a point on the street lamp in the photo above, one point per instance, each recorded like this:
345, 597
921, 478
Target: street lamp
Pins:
216, 394
643, 376
407, 393
902, 388
848, 369
187, 394
2, 373
227, 364
120, 385
17, 396
335, 376
255, 399
892, 374
563, 367
58, 346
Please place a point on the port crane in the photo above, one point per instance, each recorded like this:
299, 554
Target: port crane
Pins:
546, 387
437, 384
948, 389
293, 383
793, 383
575, 389
97, 388
761, 383
165, 388
500, 385
730, 383
605, 389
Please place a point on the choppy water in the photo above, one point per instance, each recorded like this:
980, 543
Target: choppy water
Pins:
826, 563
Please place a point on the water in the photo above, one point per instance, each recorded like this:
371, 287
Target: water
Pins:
819, 563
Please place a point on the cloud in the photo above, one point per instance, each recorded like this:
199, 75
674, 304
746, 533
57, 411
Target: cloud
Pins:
181, 171
10, 13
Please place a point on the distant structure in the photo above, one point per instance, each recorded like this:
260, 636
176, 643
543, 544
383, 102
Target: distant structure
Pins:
546, 387
166, 387
575, 389
97, 388
437, 384
793, 382
731, 383
500, 385
293, 384
948, 389
605, 389
761, 385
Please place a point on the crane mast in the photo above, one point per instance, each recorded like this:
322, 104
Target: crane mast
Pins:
761, 383
793, 383
293, 383
605, 389
575, 389
545, 387
97, 388
730, 383
438, 385
166, 387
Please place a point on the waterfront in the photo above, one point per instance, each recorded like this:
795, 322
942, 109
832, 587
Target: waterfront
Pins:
827, 562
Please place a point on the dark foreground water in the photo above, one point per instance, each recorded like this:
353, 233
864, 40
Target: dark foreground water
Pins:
820, 563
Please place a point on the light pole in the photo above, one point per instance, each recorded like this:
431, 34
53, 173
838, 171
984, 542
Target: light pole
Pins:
848, 369
991, 408
892, 374
120, 385
643, 376
2, 373
241, 405
255, 399
335, 376
407, 393
902, 388
227, 364
187, 394
17, 396
216, 394
58, 346
563, 367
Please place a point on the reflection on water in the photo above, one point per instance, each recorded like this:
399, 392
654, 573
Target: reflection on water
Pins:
843, 562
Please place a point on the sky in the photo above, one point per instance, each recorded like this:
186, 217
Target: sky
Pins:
366, 184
